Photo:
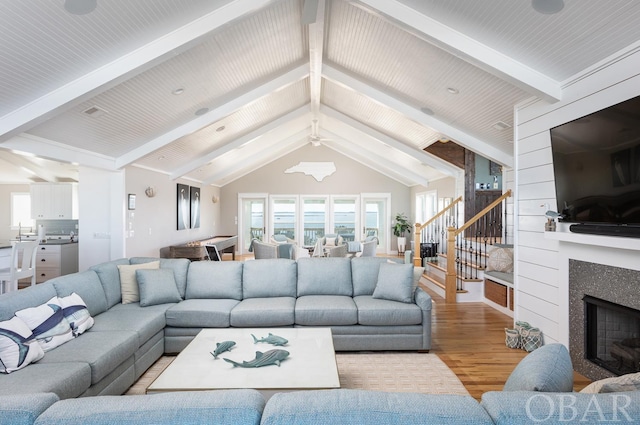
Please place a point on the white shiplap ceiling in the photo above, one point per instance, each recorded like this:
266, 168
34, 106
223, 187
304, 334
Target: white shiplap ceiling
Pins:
374, 74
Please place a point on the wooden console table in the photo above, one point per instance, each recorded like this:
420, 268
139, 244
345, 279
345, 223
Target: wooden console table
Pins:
197, 250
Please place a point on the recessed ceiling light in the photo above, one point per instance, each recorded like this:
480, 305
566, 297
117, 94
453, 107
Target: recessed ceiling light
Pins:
221, 128
453, 90
426, 110
178, 91
80, 7
202, 111
547, 7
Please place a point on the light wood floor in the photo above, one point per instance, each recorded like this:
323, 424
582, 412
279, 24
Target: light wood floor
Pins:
469, 338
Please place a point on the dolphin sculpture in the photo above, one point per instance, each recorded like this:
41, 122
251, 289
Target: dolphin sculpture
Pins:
221, 347
272, 339
262, 359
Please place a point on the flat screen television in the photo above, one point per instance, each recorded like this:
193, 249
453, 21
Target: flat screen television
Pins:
596, 162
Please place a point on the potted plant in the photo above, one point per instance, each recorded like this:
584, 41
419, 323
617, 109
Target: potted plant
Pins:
402, 225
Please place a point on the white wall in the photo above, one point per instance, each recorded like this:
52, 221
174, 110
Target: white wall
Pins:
100, 216
541, 262
154, 221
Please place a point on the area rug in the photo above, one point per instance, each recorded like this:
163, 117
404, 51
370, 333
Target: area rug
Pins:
389, 371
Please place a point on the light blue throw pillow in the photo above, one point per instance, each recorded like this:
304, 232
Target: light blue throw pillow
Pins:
547, 369
157, 286
395, 283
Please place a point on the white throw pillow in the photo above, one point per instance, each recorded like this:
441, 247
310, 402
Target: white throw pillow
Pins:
48, 324
17, 346
76, 312
628, 382
330, 241
128, 281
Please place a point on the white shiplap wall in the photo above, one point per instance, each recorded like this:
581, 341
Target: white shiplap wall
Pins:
542, 263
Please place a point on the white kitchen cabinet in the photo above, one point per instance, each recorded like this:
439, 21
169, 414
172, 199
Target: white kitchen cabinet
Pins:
53, 201
56, 260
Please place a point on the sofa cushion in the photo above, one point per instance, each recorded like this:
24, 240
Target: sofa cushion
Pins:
214, 279
30, 296
180, 267
269, 278
110, 280
48, 324
224, 407
103, 351
18, 348
529, 407
326, 310
144, 321
129, 282
359, 407
324, 276
66, 380
157, 287
377, 312
395, 283
546, 369
87, 285
76, 313
260, 312
201, 313
24, 409
364, 273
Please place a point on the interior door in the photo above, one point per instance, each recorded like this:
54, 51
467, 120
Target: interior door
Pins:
252, 220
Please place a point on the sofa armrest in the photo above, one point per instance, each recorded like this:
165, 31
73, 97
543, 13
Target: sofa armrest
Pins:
423, 300
527, 407
24, 408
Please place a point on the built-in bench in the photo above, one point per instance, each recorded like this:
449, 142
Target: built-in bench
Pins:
498, 289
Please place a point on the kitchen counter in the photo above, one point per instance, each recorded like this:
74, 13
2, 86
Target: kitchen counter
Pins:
4, 243
58, 242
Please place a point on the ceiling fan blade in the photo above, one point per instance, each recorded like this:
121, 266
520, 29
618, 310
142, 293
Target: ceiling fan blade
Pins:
309, 12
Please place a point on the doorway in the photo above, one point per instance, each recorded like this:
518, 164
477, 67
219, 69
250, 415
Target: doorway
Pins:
252, 220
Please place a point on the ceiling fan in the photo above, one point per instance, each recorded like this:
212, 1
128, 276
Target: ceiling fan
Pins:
314, 137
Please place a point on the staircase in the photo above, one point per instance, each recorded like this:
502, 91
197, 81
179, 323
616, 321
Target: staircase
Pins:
455, 257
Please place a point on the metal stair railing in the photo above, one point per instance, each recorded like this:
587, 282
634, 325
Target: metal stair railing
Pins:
430, 238
467, 245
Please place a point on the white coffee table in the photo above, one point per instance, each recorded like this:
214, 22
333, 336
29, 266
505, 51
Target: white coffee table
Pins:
311, 363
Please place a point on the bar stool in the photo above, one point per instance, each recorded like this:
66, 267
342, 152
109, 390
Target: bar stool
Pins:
9, 276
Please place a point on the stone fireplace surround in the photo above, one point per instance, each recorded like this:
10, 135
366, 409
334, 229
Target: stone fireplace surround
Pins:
614, 284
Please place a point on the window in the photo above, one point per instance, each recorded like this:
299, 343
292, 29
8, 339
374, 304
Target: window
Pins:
426, 204
21, 210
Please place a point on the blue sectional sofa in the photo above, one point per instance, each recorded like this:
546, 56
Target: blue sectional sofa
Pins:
359, 299
533, 394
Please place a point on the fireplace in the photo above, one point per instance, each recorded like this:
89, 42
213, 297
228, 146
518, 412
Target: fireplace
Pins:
603, 293
612, 335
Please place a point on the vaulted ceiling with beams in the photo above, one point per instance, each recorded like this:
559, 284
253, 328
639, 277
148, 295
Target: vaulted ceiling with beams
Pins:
210, 90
